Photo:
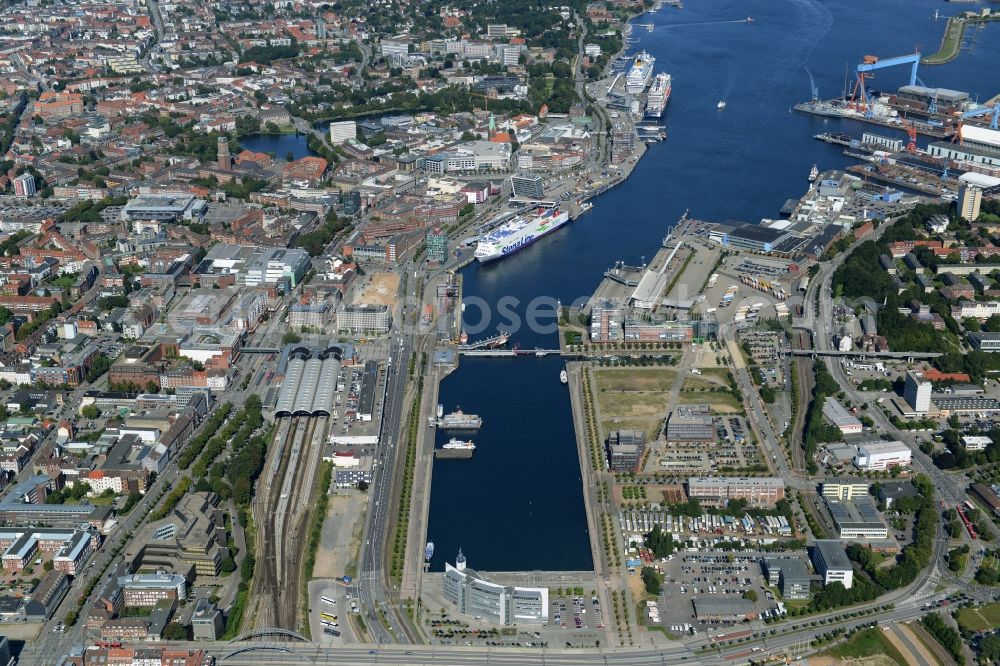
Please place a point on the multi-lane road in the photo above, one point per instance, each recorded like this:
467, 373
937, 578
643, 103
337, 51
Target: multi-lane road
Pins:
381, 616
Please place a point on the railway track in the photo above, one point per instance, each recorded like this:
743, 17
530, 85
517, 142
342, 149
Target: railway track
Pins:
802, 367
268, 491
282, 520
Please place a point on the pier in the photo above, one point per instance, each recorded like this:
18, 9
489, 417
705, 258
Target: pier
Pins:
954, 34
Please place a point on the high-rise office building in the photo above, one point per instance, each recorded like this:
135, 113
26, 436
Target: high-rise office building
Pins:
917, 392
437, 245
970, 198
24, 185
527, 185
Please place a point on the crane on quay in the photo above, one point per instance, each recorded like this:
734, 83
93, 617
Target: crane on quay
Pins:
866, 69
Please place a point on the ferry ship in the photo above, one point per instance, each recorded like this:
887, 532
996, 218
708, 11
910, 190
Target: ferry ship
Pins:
459, 445
519, 233
659, 95
640, 74
459, 420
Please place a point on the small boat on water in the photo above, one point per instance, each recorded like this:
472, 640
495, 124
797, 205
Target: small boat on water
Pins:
721, 105
429, 551
563, 377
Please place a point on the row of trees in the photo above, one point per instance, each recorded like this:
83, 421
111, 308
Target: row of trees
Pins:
196, 445
817, 430
315, 242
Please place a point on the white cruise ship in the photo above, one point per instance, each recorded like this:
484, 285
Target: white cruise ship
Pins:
640, 74
519, 233
659, 95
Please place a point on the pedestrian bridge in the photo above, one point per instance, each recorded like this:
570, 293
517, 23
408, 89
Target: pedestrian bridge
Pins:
510, 353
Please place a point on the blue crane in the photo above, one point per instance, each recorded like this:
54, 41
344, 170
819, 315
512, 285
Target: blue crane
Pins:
986, 110
871, 63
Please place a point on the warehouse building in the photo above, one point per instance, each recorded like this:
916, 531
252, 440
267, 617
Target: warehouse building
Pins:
841, 418
712, 609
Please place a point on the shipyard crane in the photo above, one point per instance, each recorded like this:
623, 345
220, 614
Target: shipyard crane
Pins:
993, 111
911, 132
859, 95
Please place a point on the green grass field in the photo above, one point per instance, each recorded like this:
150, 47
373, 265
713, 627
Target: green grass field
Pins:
867, 643
980, 619
634, 379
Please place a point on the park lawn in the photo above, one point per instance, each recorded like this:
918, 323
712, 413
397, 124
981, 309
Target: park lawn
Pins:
980, 619
867, 643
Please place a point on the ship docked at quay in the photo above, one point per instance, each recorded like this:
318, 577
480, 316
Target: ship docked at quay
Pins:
459, 420
639, 75
456, 448
519, 232
659, 95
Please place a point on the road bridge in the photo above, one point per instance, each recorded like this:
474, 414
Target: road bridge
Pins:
890, 355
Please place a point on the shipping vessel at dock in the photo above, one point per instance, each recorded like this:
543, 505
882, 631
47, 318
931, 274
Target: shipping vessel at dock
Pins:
659, 95
640, 74
455, 448
459, 420
519, 233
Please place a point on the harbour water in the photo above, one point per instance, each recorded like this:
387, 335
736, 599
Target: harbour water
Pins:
517, 503
523, 510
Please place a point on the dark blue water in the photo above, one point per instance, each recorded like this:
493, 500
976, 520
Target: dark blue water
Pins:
279, 144
740, 163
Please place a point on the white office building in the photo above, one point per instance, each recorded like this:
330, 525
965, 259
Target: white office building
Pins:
917, 392
976, 442
473, 595
343, 131
881, 455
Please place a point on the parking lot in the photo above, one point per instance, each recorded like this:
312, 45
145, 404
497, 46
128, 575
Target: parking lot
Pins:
323, 628
712, 574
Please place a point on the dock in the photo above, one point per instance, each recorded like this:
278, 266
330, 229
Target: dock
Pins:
825, 110
899, 177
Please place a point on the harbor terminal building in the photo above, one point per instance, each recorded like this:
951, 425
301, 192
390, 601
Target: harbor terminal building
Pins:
473, 595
